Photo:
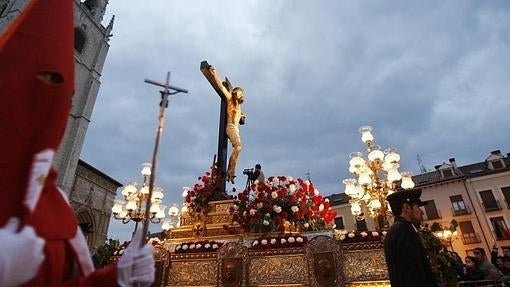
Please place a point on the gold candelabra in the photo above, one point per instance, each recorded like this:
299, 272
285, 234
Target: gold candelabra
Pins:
132, 207
375, 177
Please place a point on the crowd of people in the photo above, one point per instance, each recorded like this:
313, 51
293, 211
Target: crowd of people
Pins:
478, 267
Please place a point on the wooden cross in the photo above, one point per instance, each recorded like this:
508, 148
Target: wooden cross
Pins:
167, 91
205, 68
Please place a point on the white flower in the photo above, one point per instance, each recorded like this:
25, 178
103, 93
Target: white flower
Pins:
342, 237
265, 222
236, 207
207, 245
307, 182
292, 189
255, 243
253, 211
274, 195
199, 245
260, 205
291, 239
121, 251
363, 234
306, 225
273, 241
283, 241
375, 233
384, 233
215, 246
326, 200
192, 246
299, 239
178, 247
245, 213
316, 192
267, 215
321, 207
277, 208
294, 209
350, 235
263, 242
185, 247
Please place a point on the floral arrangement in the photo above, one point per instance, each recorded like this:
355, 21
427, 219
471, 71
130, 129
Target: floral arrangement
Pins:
281, 203
355, 237
279, 242
199, 246
206, 190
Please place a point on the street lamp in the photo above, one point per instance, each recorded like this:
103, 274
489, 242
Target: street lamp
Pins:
375, 177
174, 218
132, 208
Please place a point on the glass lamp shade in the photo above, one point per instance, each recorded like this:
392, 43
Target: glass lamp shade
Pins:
356, 159
447, 233
392, 156
157, 193
376, 155
173, 210
129, 189
117, 207
161, 212
184, 209
350, 187
364, 178
154, 207
393, 174
386, 165
360, 191
375, 204
366, 134
146, 169
366, 197
407, 181
131, 205
144, 190
355, 208
123, 213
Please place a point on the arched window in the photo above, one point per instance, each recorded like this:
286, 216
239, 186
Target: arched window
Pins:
86, 223
79, 40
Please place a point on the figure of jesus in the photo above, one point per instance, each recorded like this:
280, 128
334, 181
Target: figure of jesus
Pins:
234, 98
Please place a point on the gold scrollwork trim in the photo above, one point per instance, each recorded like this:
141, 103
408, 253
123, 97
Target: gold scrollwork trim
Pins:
278, 270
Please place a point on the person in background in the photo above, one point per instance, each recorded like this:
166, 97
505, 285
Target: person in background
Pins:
472, 271
406, 257
489, 270
258, 174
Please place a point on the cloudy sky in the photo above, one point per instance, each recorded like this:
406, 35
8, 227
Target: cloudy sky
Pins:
431, 77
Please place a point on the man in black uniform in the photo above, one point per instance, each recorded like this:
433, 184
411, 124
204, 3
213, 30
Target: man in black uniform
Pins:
406, 258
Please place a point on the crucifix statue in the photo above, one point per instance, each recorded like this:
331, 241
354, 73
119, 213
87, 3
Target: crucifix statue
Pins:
231, 117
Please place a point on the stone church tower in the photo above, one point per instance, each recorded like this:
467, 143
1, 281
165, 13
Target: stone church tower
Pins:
91, 44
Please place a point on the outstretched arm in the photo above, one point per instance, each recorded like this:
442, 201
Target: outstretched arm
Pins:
210, 74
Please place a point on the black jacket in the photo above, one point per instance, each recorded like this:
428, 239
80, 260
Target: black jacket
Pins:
406, 258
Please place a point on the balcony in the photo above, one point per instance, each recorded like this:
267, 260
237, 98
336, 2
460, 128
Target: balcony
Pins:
458, 212
471, 238
491, 206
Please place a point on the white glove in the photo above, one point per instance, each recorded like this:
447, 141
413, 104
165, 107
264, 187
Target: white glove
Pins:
136, 265
21, 254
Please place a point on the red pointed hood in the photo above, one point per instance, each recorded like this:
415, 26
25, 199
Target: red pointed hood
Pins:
36, 87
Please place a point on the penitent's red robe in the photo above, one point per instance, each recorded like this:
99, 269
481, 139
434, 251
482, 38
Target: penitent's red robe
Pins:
36, 88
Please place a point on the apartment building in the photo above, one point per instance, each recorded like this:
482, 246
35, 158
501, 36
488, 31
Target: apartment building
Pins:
476, 196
